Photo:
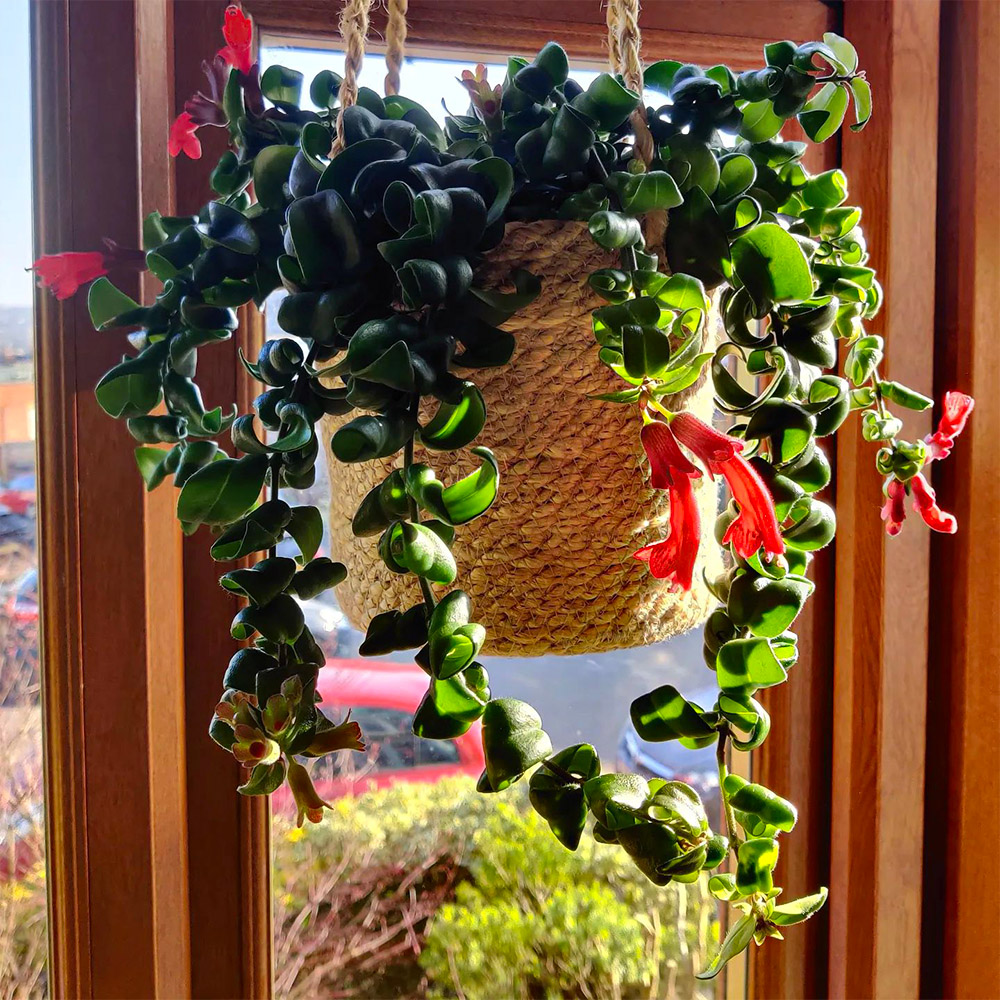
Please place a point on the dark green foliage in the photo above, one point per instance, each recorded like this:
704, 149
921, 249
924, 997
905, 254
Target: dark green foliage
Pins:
377, 247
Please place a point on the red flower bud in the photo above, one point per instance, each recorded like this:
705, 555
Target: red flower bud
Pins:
308, 804
894, 508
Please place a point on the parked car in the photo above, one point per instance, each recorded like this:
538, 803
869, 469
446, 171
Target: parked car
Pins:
19, 496
383, 696
674, 762
21, 604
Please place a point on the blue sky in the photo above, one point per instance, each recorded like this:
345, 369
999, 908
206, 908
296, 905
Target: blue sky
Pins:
15, 164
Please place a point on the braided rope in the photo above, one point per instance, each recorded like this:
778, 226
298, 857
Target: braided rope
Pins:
624, 42
624, 50
614, 45
395, 42
353, 30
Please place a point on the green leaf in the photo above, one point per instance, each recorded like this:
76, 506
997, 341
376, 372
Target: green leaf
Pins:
862, 91
456, 424
613, 231
797, 910
499, 172
651, 191
132, 388
675, 380
664, 714
223, 491
736, 942
105, 303
760, 123
262, 582
265, 779
737, 175
154, 465
271, 167
324, 91
824, 113
281, 85
325, 236
280, 620
845, 52
903, 395
562, 804
756, 860
606, 102
747, 664
659, 76
767, 607
476, 493
772, 266
317, 576
306, 527
258, 530
228, 227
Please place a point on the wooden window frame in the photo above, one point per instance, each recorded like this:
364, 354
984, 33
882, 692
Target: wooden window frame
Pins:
143, 903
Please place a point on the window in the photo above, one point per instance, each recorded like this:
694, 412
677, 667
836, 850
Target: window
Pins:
23, 924
565, 690
192, 849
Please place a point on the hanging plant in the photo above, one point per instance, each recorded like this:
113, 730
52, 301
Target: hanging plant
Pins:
713, 267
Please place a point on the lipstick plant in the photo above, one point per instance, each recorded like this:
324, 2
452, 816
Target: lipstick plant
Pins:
377, 236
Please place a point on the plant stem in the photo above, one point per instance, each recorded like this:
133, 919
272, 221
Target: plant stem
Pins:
720, 756
425, 587
561, 772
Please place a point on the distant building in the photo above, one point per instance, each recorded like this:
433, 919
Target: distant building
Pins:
17, 411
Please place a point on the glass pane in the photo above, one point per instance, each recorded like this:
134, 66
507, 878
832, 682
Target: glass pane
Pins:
418, 886
22, 830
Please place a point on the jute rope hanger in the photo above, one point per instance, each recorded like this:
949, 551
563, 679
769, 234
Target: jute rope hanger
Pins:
624, 47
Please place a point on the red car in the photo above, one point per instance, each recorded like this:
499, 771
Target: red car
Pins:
382, 697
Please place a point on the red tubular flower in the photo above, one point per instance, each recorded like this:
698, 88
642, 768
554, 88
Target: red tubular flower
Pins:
925, 504
757, 524
957, 408
238, 32
664, 454
64, 273
673, 559
710, 445
182, 137
894, 508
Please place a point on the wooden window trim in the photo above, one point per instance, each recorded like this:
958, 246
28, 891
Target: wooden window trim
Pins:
109, 556
168, 911
961, 921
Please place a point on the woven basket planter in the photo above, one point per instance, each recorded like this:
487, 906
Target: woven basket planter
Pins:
549, 568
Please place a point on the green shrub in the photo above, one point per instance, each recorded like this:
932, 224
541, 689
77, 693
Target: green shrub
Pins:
434, 890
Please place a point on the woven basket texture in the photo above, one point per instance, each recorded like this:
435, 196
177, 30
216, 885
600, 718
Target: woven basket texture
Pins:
549, 568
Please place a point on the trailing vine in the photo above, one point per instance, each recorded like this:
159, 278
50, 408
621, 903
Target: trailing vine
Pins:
377, 245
